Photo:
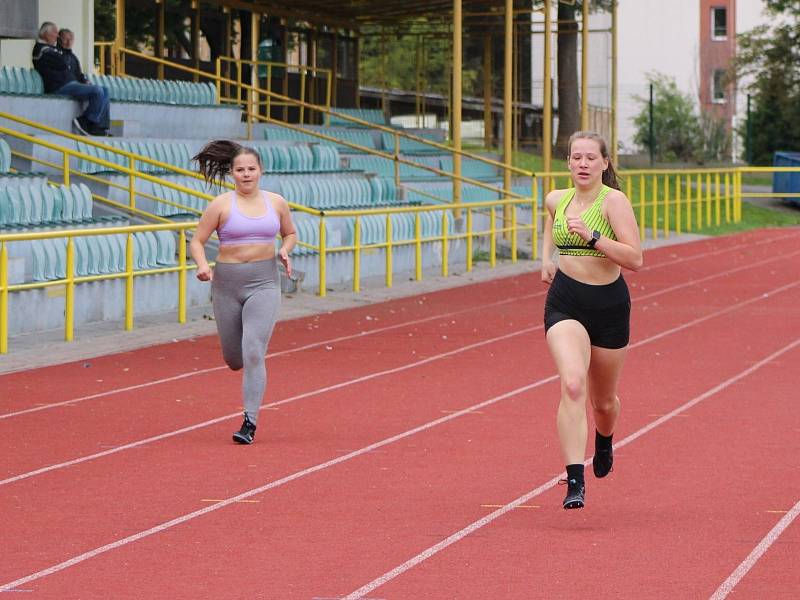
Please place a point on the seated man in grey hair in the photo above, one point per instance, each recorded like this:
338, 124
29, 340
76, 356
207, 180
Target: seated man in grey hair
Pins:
61, 76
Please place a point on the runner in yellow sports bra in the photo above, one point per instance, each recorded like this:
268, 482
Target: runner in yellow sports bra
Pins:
587, 311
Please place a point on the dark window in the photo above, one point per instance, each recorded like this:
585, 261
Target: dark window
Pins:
718, 86
719, 23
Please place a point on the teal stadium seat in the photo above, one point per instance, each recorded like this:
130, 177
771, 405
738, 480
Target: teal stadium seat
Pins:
5, 156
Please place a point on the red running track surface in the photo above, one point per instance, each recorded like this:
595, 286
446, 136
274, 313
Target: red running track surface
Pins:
408, 450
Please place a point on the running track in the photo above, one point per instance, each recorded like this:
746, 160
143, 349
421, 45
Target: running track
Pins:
407, 450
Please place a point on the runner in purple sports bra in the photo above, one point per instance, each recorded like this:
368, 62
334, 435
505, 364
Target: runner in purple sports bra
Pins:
245, 282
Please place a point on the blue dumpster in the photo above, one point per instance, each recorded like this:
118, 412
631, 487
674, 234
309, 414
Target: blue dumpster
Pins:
787, 183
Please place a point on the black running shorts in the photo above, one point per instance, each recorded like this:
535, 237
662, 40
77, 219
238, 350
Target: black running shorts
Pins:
604, 310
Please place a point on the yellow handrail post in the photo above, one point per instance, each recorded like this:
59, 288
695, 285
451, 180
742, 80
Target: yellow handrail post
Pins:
688, 202
678, 203
182, 277
738, 199
534, 219
396, 161
129, 283
418, 246
322, 256
727, 197
492, 236
699, 197
3, 298
303, 72
65, 175
513, 232
328, 89
654, 225
666, 205
218, 80
708, 198
69, 295
357, 255
269, 87
717, 199
444, 244
469, 239
132, 182
389, 250
642, 196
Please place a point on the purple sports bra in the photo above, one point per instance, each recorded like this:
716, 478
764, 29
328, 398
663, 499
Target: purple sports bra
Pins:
241, 229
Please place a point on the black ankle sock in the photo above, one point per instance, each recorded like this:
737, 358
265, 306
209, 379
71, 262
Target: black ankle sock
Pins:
575, 472
602, 442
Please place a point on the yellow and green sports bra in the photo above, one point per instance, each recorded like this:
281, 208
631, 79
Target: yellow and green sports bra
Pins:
571, 244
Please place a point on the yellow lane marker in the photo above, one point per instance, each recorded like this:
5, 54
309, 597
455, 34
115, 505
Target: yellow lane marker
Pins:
472, 412
778, 512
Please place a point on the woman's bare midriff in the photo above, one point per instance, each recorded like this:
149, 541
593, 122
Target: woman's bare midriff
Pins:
245, 253
594, 270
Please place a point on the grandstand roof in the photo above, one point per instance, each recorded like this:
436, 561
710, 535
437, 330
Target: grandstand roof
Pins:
359, 12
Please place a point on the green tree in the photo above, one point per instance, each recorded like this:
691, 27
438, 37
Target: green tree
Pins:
771, 56
676, 127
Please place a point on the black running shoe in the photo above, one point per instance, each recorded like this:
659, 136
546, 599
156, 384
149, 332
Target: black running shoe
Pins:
603, 462
246, 434
81, 125
575, 493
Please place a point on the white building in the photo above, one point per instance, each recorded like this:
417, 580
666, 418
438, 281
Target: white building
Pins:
654, 36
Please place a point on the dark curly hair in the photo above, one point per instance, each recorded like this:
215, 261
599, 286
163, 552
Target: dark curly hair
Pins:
216, 158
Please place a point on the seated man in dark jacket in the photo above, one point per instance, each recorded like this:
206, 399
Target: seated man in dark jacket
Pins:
54, 66
65, 40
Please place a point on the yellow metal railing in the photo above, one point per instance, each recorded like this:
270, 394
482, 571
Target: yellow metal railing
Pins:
130, 169
253, 104
101, 50
397, 134
70, 280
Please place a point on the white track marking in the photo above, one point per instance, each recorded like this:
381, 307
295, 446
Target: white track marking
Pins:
319, 467
475, 526
418, 363
300, 396
357, 335
752, 558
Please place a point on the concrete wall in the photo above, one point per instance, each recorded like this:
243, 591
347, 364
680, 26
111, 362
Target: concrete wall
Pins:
18, 18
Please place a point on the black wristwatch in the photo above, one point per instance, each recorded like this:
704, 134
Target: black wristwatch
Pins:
595, 236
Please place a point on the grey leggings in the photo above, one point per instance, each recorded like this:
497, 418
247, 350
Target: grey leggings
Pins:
246, 299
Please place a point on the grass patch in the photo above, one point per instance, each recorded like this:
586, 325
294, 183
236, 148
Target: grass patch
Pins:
480, 256
755, 217
757, 179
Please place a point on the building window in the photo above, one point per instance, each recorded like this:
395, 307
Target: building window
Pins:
719, 23
718, 87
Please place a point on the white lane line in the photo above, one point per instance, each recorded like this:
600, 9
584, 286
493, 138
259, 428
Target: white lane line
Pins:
269, 356
294, 398
357, 335
475, 526
752, 558
259, 490
412, 365
372, 447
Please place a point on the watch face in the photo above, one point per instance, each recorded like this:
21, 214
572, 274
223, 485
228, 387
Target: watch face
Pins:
595, 235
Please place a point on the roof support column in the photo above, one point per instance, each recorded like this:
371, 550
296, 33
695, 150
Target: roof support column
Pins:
487, 90
119, 38
547, 110
455, 110
614, 75
585, 67
195, 36
161, 20
508, 108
